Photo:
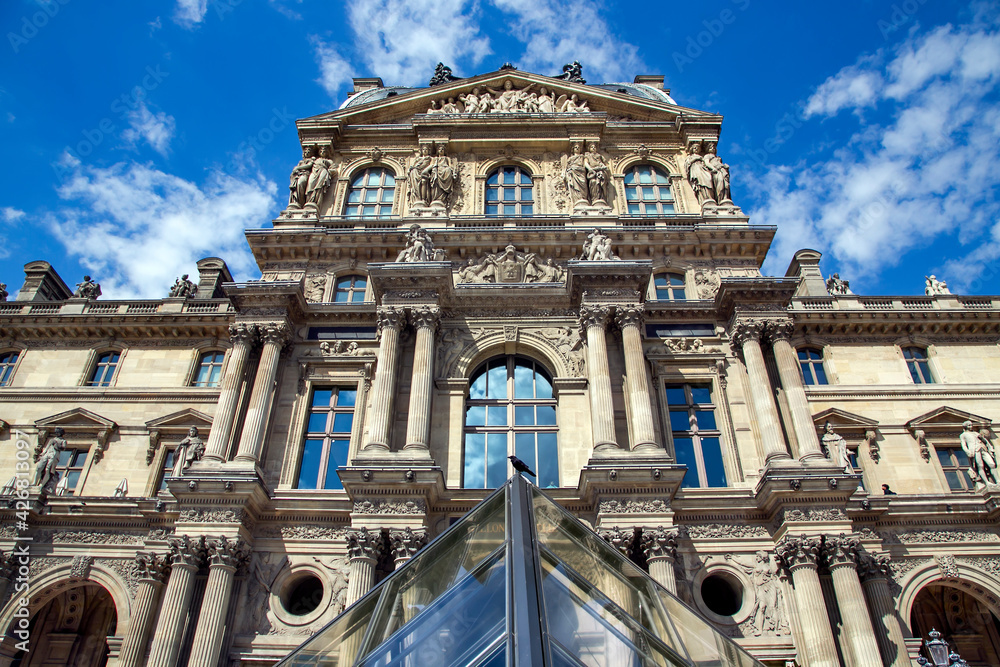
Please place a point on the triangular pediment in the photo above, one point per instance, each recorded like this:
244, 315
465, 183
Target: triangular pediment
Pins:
843, 419
946, 418
405, 103
77, 419
181, 420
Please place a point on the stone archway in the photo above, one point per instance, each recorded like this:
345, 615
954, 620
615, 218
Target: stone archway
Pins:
964, 621
72, 629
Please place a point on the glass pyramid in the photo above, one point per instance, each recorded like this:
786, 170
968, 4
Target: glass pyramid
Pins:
518, 581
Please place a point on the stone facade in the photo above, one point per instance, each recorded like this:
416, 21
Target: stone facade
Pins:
340, 401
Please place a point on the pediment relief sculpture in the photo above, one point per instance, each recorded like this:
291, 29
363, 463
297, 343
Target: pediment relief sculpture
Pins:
483, 99
511, 266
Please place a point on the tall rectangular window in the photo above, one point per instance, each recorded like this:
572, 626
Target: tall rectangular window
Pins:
954, 463
7, 362
327, 438
70, 467
168, 468
916, 362
811, 363
210, 369
104, 369
696, 434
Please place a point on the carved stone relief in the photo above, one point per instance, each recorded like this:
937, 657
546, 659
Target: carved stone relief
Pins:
768, 616
511, 266
378, 506
483, 99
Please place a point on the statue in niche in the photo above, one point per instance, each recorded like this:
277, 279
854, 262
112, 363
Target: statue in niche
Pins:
768, 615
720, 174
574, 173
183, 288
597, 247
419, 247
933, 286
45, 469
443, 177
189, 450
419, 176
836, 449
698, 174
982, 458
298, 182
837, 286
320, 177
598, 176
88, 289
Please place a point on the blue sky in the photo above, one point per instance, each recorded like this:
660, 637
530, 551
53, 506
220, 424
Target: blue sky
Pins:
142, 136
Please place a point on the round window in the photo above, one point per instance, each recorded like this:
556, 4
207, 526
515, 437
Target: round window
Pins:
723, 595
302, 595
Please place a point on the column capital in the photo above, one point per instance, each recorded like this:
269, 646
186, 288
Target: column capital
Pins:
153, 566
407, 542
364, 545
793, 553
630, 315
242, 332
659, 543
780, 329
228, 552
389, 316
275, 333
594, 316
620, 538
425, 317
185, 551
744, 330
840, 551
873, 566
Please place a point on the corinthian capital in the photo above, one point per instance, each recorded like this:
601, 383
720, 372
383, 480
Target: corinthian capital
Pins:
185, 551
426, 317
243, 333
153, 566
746, 330
364, 544
228, 552
594, 316
631, 315
406, 542
795, 552
658, 543
841, 550
620, 539
275, 333
389, 316
873, 566
780, 330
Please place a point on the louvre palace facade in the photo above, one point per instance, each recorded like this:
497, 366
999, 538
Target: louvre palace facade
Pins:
508, 264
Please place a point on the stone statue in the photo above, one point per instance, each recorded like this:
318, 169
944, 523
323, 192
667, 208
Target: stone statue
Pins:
189, 450
264, 569
698, 174
298, 182
434, 107
450, 106
510, 98
473, 102
320, 178
597, 247
419, 247
545, 102
419, 176
3, 291
443, 177
767, 615
572, 72
183, 287
720, 174
982, 458
836, 449
340, 571
598, 176
935, 286
836, 286
574, 173
45, 469
442, 74
571, 104
88, 289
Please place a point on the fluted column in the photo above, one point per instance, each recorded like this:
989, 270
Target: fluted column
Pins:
795, 392
660, 548
224, 556
888, 628
746, 334
186, 556
593, 321
364, 548
629, 319
390, 321
274, 336
153, 571
857, 637
243, 337
800, 556
418, 425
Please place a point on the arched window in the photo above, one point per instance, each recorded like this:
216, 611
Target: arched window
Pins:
7, 362
916, 361
811, 362
371, 195
509, 192
350, 289
647, 191
104, 369
209, 369
669, 286
511, 410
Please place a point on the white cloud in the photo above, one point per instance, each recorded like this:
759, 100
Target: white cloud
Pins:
554, 34
136, 228
334, 70
929, 169
402, 40
11, 214
189, 13
157, 129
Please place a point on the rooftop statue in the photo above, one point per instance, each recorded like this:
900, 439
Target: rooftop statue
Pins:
321, 177
698, 174
573, 72
933, 286
442, 74
183, 287
836, 286
720, 174
88, 289
3, 291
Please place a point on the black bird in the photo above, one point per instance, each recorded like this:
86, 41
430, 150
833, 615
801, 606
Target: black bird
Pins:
520, 465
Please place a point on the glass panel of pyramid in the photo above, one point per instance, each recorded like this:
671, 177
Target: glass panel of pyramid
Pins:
459, 602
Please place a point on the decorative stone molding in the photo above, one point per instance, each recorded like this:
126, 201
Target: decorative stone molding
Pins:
80, 567
407, 542
427, 317
744, 330
126, 568
620, 539
725, 531
633, 506
362, 544
378, 506
989, 564
159, 533
812, 514
695, 346
659, 543
948, 567
899, 568
871, 438
228, 552
389, 316
41, 564
76, 422
185, 551
307, 532
630, 315
152, 566
86, 537
510, 267
795, 552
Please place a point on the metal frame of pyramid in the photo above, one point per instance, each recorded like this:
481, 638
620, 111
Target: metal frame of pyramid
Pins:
518, 581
